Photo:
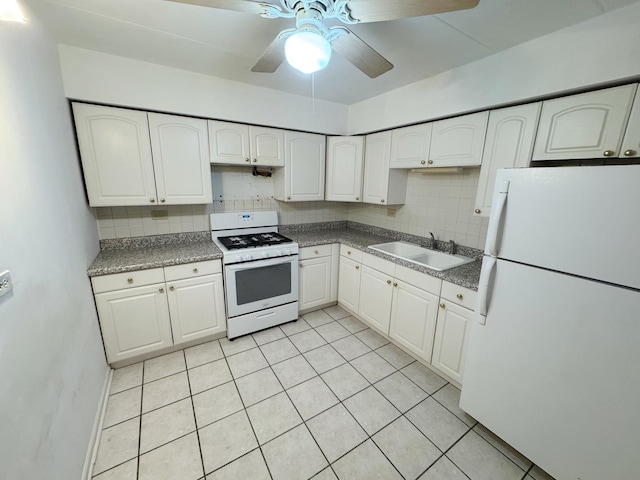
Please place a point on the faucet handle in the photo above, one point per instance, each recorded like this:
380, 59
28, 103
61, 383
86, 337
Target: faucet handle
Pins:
452, 247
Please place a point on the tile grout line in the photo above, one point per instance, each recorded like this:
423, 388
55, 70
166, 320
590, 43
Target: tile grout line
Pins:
193, 409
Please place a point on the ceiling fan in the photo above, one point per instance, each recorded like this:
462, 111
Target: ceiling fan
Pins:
307, 47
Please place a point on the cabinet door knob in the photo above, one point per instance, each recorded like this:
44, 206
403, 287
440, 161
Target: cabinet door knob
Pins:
301, 265
152, 200
395, 284
255, 160
348, 252
171, 288
357, 198
357, 267
162, 200
161, 290
442, 305
422, 162
247, 159
609, 153
388, 282
129, 280
288, 198
316, 252
629, 153
459, 296
382, 200
430, 162
195, 270
477, 211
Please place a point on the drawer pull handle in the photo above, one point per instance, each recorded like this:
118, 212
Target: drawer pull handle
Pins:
459, 296
129, 280
442, 305
195, 270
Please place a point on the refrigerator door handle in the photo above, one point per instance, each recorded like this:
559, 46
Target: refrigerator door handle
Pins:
486, 279
496, 219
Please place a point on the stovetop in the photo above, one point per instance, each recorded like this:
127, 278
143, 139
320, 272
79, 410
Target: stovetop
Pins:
253, 240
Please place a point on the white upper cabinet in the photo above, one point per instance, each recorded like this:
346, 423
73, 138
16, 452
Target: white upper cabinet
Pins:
302, 178
345, 160
410, 146
459, 141
590, 125
631, 143
239, 144
229, 143
180, 149
382, 186
116, 155
509, 143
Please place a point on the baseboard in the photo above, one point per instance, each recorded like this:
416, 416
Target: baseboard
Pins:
94, 441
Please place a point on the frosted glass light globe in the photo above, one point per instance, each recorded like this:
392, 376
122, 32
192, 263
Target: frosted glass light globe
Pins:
307, 51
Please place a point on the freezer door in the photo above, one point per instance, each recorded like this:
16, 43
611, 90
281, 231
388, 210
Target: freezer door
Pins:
580, 220
555, 372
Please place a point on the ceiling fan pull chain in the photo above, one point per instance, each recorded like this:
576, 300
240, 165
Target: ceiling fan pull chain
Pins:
313, 93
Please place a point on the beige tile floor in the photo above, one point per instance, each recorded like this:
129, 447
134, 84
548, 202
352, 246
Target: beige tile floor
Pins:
323, 397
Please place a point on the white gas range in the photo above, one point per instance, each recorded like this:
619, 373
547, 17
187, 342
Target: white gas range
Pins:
260, 271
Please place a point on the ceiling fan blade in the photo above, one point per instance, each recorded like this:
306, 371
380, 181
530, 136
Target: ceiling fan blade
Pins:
381, 10
356, 50
245, 6
272, 57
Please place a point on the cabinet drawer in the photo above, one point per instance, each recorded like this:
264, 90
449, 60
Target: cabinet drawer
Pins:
315, 252
190, 270
459, 295
119, 281
418, 279
380, 264
352, 253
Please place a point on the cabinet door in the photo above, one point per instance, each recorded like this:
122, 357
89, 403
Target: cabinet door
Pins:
509, 143
197, 307
413, 318
376, 168
590, 125
116, 155
410, 146
267, 146
180, 147
631, 143
376, 293
314, 282
304, 166
452, 335
344, 169
349, 284
134, 321
229, 143
459, 141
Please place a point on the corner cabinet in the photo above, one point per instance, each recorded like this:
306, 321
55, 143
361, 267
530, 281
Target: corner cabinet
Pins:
148, 311
589, 125
302, 178
134, 158
382, 186
509, 143
345, 162
240, 144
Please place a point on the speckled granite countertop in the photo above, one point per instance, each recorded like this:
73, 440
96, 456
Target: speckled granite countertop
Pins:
127, 255
362, 236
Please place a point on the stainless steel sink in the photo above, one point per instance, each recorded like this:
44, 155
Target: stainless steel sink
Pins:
433, 259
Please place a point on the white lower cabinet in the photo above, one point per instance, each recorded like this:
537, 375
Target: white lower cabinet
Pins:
450, 346
349, 284
376, 293
316, 278
141, 313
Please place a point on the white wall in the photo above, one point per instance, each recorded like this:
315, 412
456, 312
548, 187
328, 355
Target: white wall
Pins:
102, 78
601, 50
52, 364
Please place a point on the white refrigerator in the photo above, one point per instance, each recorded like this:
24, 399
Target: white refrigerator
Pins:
553, 366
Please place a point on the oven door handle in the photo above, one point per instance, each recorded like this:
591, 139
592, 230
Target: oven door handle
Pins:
262, 263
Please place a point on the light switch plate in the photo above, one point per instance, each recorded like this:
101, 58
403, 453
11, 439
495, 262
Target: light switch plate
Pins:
5, 282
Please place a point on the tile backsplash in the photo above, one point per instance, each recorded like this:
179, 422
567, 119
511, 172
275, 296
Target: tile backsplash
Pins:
438, 203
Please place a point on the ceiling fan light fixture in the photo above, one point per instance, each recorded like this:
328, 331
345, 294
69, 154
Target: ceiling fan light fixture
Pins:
307, 51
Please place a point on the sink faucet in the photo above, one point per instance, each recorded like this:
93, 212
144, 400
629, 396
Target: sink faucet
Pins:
452, 247
433, 241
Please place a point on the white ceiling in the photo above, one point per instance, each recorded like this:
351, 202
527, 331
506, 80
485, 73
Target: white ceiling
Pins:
227, 44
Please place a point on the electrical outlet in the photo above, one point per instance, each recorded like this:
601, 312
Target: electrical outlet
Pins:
159, 214
391, 212
5, 282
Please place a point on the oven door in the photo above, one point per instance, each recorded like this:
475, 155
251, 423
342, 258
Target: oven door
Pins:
254, 286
